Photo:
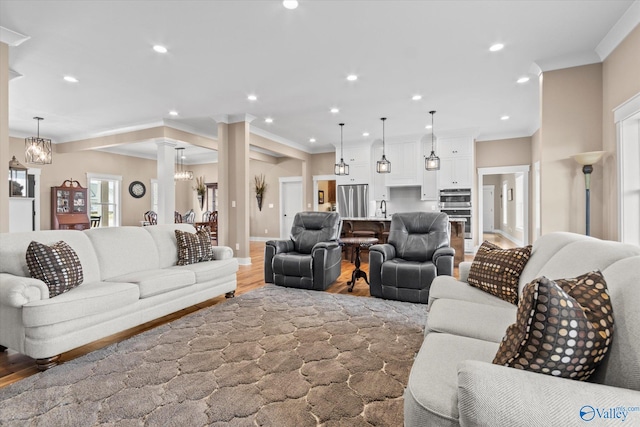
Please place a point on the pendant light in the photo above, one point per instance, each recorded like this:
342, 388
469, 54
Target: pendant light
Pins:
37, 150
383, 165
432, 163
181, 174
341, 168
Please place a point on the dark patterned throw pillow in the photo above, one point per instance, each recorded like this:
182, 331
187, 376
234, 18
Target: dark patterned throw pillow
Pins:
194, 247
497, 271
563, 327
56, 265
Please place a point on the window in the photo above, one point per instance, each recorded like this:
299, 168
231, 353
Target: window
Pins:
504, 202
519, 201
104, 198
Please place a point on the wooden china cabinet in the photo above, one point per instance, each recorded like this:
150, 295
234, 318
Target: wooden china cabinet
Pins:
69, 205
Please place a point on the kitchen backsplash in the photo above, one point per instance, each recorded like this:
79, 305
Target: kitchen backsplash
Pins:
407, 199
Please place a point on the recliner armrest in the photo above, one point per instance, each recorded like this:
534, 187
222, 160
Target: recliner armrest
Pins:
443, 260
387, 250
324, 245
281, 246
448, 251
486, 398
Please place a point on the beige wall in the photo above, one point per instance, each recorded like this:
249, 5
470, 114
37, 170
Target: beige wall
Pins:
495, 181
503, 152
620, 82
77, 165
571, 123
322, 163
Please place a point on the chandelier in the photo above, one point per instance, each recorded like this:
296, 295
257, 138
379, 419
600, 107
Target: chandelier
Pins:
432, 163
181, 174
341, 168
37, 150
383, 165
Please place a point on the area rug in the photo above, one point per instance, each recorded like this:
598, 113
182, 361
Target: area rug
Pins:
271, 357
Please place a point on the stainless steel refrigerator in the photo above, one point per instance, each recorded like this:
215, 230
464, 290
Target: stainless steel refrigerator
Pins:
353, 201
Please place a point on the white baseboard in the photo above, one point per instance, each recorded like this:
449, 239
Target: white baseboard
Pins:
262, 239
244, 261
506, 235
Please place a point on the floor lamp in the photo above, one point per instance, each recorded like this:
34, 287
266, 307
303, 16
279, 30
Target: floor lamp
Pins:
587, 160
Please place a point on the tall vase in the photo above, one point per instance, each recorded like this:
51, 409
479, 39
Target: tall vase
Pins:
201, 200
259, 199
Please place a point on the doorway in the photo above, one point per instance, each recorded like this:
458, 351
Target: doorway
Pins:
290, 203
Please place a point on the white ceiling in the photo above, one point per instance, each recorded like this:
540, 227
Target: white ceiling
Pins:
296, 62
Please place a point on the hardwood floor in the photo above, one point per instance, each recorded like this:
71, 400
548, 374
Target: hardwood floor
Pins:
15, 366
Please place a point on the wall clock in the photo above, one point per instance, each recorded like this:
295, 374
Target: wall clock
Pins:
137, 189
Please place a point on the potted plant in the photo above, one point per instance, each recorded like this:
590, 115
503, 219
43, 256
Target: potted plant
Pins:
260, 187
201, 189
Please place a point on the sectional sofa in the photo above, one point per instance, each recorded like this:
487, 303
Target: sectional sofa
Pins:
130, 277
453, 381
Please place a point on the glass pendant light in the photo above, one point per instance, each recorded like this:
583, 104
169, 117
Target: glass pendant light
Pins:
432, 163
37, 150
181, 174
341, 168
383, 165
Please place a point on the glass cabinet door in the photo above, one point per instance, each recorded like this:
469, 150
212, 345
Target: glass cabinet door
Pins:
79, 202
62, 201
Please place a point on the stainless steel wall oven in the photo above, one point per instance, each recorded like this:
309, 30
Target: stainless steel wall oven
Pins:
456, 202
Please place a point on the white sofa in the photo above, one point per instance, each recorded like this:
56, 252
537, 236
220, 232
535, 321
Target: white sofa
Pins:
130, 277
453, 381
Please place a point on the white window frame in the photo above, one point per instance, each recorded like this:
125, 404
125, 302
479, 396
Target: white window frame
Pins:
118, 193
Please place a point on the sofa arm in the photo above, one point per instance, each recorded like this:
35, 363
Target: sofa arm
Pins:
16, 291
487, 397
280, 246
463, 271
222, 252
443, 260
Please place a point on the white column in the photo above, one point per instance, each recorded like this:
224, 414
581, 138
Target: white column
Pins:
166, 184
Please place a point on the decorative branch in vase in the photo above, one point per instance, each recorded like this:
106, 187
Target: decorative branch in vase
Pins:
201, 189
260, 187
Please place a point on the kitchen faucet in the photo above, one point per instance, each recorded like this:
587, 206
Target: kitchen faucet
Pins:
384, 211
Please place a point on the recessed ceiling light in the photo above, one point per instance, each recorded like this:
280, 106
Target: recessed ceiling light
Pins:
252, 98
290, 4
428, 127
365, 133
70, 79
504, 118
416, 97
352, 77
173, 113
160, 49
312, 140
496, 47
268, 120
523, 79
335, 110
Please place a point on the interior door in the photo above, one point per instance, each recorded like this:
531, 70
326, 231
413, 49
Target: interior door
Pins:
291, 204
487, 208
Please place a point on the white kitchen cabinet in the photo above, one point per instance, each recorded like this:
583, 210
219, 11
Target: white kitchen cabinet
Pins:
357, 158
455, 147
429, 190
455, 172
405, 158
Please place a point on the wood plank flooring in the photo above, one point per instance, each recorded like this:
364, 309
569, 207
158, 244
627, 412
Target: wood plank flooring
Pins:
15, 366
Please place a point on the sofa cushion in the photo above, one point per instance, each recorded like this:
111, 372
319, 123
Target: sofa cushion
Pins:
194, 247
212, 270
154, 282
470, 319
165, 237
447, 287
293, 264
57, 265
563, 327
497, 271
431, 396
86, 300
14, 247
123, 250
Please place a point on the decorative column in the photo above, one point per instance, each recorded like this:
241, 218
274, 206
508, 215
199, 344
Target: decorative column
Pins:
234, 183
166, 184
4, 136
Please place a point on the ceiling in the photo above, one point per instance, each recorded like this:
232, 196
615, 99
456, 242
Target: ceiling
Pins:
296, 63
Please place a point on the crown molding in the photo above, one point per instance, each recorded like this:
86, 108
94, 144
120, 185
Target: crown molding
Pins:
11, 37
619, 31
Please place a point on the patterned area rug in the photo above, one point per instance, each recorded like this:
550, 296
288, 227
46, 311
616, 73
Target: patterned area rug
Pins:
271, 357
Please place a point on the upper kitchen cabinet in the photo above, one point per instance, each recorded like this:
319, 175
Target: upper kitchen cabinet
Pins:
357, 157
456, 162
405, 158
